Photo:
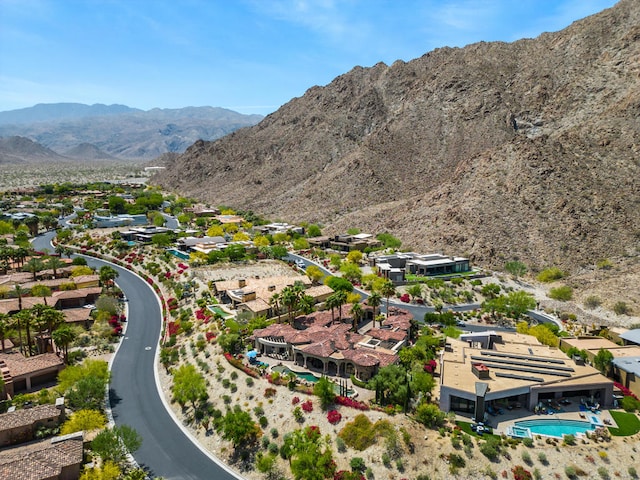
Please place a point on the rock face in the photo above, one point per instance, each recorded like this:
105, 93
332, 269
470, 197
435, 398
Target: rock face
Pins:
498, 151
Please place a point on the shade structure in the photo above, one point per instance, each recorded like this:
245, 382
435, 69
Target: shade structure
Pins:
252, 354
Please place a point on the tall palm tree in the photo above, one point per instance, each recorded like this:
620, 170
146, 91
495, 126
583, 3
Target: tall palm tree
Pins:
25, 317
34, 265
19, 255
356, 315
341, 299
387, 290
331, 302
5, 328
374, 302
54, 263
15, 322
19, 293
63, 336
274, 303
40, 290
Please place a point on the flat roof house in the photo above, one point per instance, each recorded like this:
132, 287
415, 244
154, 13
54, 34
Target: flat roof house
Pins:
477, 374
396, 266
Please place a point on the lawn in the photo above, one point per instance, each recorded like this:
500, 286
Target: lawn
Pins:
628, 424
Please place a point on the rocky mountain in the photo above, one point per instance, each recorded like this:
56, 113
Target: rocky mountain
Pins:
497, 151
20, 150
88, 151
121, 131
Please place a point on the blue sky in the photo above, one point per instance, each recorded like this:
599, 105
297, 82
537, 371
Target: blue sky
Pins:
251, 56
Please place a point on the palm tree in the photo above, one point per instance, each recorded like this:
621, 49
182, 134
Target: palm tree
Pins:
19, 293
387, 290
356, 315
34, 265
331, 302
108, 275
341, 299
63, 337
54, 263
40, 290
274, 303
415, 291
33, 224
15, 322
47, 317
19, 255
5, 328
374, 302
25, 317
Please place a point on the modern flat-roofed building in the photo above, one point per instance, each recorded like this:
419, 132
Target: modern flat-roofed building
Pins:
478, 375
397, 265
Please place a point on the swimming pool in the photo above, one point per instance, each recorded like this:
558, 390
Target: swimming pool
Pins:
178, 253
555, 427
309, 377
215, 309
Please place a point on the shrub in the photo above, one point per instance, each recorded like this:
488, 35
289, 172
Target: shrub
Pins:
550, 274
519, 473
527, 442
386, 461
621, 308
298, 415
263, 422
340, 445
603, 472
562, 293
357, 464
569, 439
570, 471
526, 458
307, 406
274, 432
334, 417
592, 301
490, 448
542, 457
632, 472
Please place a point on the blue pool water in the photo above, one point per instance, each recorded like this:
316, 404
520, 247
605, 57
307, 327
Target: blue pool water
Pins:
309, 377
179, 254
555, 427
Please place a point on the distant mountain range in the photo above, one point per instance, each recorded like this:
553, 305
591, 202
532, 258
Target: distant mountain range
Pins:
498, 151
112, 132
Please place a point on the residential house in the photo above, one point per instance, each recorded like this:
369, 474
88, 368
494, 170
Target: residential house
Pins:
318, 342
396, 266
20, 426
477, 375
58, 458
23, 374
123, 220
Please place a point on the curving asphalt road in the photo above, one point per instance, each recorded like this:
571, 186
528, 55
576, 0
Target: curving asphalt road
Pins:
166, 451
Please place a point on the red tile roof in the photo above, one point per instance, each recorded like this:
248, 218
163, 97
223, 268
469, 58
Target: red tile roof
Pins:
41, 460
27, 416
19, 365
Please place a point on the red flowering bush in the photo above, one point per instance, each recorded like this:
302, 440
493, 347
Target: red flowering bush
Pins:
210, 336
307, 406
150, 280
295, 400
334, 417
405, 298
430, 366
349, 402
167, 275
172, 328
625, 391
519, 473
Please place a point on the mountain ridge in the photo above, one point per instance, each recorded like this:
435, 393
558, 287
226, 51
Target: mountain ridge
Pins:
496, 150
120, 131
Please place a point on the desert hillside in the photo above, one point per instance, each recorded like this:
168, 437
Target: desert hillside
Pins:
498, 151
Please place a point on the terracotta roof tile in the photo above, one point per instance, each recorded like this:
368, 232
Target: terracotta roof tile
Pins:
19, 365
27, 416
41, 460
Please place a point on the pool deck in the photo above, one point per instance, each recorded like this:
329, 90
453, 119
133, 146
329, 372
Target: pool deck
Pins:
501, 422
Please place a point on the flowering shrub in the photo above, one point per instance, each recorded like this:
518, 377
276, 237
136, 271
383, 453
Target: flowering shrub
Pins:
150, 280
210, 336
313, 432
241, 366
334, 417
430, 366
295, 400
625, 391
117, 330
269, 392
405, 298
167, 275
182, 266
172, 328
349, 402
519, 473
307, 406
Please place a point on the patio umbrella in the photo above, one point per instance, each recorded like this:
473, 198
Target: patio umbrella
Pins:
252, 354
